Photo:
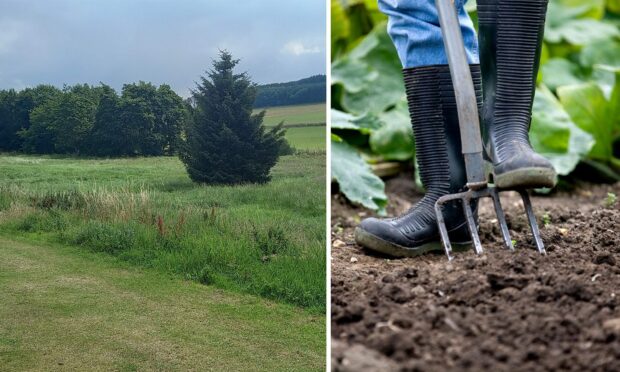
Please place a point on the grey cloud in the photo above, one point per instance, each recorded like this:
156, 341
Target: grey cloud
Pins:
115, 41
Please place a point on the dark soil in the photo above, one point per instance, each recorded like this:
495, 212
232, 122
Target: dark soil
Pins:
500, 311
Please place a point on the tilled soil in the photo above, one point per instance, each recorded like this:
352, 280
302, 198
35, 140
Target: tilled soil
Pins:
500, 311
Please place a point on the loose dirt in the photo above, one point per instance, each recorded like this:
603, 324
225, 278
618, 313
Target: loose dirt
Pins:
499, 311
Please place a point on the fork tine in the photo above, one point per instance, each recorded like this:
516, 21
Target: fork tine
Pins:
443, 230
501, 218
527, 204
471, 224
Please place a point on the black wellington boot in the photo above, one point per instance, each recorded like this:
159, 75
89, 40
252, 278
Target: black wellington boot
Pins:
510, 36
438, 149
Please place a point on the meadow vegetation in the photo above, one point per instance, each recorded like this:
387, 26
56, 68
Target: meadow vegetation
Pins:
267, 240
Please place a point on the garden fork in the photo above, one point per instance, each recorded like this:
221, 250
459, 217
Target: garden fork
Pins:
469, 125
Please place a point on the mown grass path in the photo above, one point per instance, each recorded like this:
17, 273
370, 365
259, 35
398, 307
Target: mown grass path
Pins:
62, 308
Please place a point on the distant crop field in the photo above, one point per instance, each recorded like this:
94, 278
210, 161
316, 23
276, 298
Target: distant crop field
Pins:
307, 138
299, 114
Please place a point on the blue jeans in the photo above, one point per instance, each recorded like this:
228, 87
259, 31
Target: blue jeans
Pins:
413, 26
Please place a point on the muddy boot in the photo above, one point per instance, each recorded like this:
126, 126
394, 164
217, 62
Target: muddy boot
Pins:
510, 35
438, 149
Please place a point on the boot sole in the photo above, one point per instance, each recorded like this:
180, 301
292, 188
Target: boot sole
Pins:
374, 243
529, 178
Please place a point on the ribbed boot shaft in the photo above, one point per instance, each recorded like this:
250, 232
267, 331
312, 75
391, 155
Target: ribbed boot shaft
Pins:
432, 107
426, 102
518, 27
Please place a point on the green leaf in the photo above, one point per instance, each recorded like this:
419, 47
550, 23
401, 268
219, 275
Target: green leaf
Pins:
615, 100
471, 6
591, 9
355, 177
602, 52
607, 78
580, 32
364, 123
354, 75
339, 26
544, 54
563, 50
394, 139
336, 138
614, 114
587, 107
370, 74
555, 136
559, 12
558, 71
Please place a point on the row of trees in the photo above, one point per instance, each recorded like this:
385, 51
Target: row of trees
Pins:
215, 132
92, 120
308, 90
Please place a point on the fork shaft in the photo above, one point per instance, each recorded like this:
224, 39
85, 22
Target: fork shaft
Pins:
464, 92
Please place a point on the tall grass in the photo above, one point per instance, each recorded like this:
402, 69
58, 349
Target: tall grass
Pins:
263, 239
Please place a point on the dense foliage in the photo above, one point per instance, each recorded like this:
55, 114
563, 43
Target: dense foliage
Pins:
576, 115
92, 120
308, 90
225, 143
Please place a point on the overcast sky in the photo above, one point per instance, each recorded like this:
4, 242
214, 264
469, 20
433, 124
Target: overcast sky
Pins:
161, 41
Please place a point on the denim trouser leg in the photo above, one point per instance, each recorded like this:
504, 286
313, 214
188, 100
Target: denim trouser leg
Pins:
413, 26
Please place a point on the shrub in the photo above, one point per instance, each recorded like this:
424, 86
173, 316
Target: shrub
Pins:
271, 242
43, 222
63, 200
101, 237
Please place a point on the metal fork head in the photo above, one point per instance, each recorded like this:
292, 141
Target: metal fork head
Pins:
466, 199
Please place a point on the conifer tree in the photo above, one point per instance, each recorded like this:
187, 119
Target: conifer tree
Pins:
225, 143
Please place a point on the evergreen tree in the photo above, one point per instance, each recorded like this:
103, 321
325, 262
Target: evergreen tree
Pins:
225, 143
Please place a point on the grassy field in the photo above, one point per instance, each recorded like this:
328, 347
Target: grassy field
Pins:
300, 137
266, 240
63, 308
299, 114
307, 138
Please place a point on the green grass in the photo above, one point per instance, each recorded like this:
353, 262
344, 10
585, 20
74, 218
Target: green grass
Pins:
299, 114
267, 240
63, 308
307, 138
311, 137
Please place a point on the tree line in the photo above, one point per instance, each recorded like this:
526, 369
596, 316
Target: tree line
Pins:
215, 132
308, 90
143, 120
